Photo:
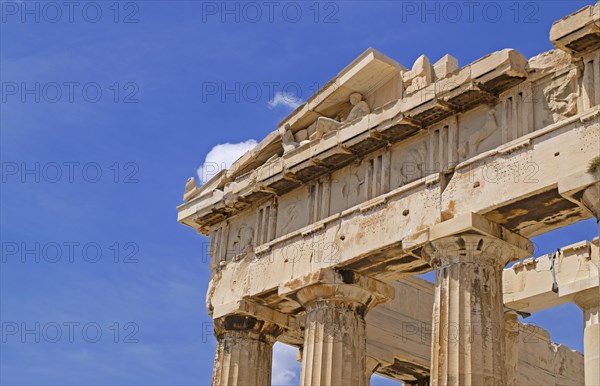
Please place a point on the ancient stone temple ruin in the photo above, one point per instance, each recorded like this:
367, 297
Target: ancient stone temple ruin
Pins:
319, 233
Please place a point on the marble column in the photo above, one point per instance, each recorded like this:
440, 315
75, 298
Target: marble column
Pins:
589, 302
335, 346
244, 351
591, 200
511, 341
468, 346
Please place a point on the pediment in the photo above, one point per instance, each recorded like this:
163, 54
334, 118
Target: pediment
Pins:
453, 116
365, 75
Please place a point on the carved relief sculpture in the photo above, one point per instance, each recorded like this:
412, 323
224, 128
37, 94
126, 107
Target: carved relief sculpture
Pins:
325, 125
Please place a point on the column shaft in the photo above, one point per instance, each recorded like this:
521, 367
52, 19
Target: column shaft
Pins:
591, 346
335, 339
589, 302
334, 345
511, 339
244, 351
240, 360
468, 346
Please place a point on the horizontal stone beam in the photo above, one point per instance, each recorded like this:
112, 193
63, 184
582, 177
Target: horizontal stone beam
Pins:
515, 185
473, 85
399, 331
383, 237
578, 32
530, 285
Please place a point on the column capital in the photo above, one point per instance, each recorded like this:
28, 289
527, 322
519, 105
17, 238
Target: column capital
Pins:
243, 356
340, 286
335, 343
591, 199
587, 299
249, 307
246, 327
511, 343
471, 238
468, 253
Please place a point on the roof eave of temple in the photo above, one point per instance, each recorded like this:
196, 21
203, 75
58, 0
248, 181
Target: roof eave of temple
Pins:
579, 32
254, 178
266, 170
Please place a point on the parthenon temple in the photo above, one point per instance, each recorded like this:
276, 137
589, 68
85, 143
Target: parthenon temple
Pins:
319, 234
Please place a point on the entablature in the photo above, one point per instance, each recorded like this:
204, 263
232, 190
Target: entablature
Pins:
475, 84
450, 141
578, 32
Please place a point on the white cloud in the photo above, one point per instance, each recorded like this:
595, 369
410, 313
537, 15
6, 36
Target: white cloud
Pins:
286, 99
286, 369
221, 157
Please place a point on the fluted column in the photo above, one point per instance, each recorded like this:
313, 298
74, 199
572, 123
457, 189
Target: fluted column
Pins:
468, 346
511, 339
591, 200
589, 301
244, 351
335, 345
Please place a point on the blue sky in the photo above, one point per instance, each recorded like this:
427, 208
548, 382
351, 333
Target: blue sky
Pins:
108, 107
